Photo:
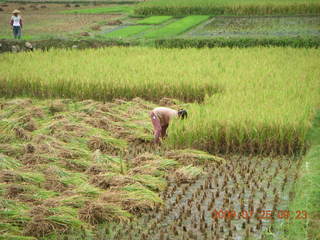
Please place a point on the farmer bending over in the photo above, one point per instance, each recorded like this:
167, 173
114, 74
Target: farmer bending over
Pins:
16, 23
161, 117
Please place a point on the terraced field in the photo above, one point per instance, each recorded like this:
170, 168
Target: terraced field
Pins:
303, 26
228, 7
77, 156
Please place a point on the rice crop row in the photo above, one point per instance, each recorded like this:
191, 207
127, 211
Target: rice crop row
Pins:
228, 7
104, 74
127, 31
257, 100
210, 206
177, 27
154, 20
100, 10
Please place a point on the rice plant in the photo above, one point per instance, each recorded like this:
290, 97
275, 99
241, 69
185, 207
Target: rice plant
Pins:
154, 20
262, 105
127, 31
177, 27
227, 7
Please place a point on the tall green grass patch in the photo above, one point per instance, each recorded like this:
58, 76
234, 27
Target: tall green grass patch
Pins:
228, 7
127, 31
154, 20
177, 27
307, 192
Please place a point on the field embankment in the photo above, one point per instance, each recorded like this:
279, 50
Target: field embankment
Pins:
307, 191
228, 7
19, 45
258, 100
238, 42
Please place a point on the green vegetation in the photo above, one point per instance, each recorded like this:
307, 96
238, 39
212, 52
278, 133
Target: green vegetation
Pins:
100, 10
228, 7
302, 26
127, 31
177, 27
101, 80
154, 20
243, 42
262, 106
77, 158
249, 115
118, 2
23, 37
307, 192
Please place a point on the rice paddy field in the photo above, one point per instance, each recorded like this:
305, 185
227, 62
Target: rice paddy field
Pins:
228, 7
238, 108
88, 169
258, 27
119, 21
77, 152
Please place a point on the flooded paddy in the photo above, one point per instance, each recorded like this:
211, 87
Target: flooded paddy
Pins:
240, 198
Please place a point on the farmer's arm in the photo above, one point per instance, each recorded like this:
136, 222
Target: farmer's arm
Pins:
21, 22
11, 21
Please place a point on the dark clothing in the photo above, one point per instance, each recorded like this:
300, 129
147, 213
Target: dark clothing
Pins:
16, 32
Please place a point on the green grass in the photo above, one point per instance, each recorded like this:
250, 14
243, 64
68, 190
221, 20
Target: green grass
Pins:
23, 37
154, 20
307, 192
127, 31
176, 28
239, 42
100, 10
228, 7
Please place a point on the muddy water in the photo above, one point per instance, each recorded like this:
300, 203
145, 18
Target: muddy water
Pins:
241, 199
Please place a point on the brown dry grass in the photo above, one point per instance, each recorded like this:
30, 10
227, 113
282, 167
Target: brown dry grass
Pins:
96, 212
96, 143
108, 181
48, 21
9, 176
15, 190
40, 226
144, 158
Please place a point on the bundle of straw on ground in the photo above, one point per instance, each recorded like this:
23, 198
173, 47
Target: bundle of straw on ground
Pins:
62, 183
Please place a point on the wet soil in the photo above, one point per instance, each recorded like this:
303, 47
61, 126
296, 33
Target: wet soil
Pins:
242, 198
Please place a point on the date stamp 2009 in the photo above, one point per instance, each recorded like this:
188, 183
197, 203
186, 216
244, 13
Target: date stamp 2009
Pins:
259, 214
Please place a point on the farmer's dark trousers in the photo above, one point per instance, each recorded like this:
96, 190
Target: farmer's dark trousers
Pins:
16, 32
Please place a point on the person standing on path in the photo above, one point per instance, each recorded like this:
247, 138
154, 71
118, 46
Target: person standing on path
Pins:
16, 24
160, 117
